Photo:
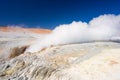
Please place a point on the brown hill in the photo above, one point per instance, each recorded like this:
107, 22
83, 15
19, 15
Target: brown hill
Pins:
16, 29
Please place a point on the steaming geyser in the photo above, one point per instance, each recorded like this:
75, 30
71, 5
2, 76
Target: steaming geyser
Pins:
104, 27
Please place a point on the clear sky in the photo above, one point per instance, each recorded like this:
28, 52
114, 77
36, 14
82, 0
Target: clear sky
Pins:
51, 13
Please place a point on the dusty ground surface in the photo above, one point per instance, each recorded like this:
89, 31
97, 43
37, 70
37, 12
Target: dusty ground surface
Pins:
89, 61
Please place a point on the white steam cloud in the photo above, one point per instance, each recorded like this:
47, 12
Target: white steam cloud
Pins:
104, 27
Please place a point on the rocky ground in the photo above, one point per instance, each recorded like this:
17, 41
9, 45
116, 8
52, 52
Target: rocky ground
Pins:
87, 61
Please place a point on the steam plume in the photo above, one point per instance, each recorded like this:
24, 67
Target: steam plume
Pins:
104, 27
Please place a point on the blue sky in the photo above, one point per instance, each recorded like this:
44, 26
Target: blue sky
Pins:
51, 13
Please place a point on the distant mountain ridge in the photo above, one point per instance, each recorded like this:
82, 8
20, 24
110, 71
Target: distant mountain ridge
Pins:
34, 30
